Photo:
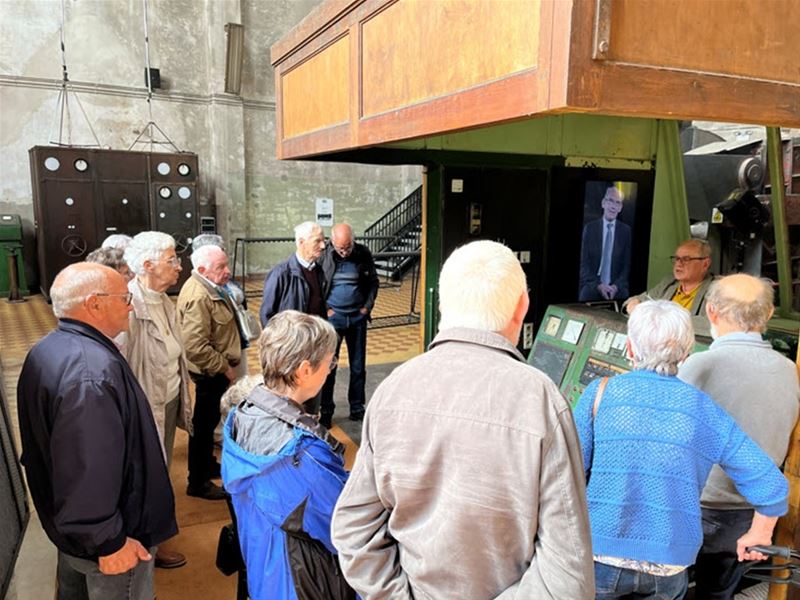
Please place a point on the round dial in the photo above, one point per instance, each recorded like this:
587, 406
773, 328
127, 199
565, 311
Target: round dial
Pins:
164, 192
81, 165
184, 169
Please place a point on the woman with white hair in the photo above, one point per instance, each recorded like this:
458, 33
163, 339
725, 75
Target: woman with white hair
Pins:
283, 470
649, 441
153, 344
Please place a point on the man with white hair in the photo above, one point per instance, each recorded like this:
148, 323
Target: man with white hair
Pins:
297, 283
213, 346
469, 481
758, 387
90, 446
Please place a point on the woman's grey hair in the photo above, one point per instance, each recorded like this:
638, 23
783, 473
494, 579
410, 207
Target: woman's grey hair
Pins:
480, 286
74, 284
661, 336
749, 314
148, 245
117, 240
208, 239
110, 257
289, 338
304, 230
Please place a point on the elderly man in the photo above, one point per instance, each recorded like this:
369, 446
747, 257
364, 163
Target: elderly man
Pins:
351, 285
469, 481
213, 348
758, 387
297, 283
688, 285
606, 253
90, 446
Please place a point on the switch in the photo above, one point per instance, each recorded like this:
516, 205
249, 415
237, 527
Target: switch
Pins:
527, 336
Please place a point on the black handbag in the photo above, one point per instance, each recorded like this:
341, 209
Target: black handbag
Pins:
229, 554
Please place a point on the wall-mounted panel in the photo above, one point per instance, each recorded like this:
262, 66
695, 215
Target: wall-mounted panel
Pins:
732, 37
316, 93
416, 50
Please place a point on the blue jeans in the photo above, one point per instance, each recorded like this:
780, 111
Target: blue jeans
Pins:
614, 582
80, 579
353, 330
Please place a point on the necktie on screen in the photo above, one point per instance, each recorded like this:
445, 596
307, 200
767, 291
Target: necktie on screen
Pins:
608, 247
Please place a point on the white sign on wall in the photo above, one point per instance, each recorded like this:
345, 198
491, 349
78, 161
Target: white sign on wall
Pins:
325, 212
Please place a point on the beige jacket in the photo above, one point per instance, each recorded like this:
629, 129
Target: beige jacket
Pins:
146, 351
468, 484
210, 333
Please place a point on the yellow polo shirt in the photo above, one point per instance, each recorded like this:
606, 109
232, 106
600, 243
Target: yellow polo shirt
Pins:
685, 300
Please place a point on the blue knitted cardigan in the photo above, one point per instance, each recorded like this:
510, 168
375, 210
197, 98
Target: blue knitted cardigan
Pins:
647, 455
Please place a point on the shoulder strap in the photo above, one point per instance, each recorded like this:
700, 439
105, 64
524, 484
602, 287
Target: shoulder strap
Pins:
599, 395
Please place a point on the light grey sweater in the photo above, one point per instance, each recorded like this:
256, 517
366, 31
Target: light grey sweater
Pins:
759, 389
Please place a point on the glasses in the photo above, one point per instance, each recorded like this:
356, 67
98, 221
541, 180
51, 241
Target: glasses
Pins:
344, 250
127, 296
685, 259
172, 261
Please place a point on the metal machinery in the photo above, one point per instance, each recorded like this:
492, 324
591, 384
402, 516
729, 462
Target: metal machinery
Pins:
81, 196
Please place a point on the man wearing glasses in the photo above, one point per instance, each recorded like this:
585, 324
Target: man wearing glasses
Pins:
90, 445
351, 285
688, 285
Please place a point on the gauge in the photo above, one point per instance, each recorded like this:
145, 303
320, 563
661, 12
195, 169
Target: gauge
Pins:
184, 192
163, 168
51, 163
81, 165
69, 201
164, 192
184, 169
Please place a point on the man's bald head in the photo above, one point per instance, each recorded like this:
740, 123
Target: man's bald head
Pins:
740, 303
342, 239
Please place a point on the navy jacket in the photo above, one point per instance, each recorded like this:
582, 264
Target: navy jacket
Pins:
592, 254
368, 281
285, 288
90, 447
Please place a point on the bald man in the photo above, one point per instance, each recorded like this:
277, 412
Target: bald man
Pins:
350, 288
759, 389
90, 446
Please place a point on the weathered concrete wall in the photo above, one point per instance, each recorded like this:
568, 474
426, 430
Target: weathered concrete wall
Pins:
234, 136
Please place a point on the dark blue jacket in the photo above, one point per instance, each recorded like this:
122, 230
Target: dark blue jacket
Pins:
91, 451
368, 281
285, 288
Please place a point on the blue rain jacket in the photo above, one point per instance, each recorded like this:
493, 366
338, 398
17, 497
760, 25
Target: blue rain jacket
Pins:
283, 503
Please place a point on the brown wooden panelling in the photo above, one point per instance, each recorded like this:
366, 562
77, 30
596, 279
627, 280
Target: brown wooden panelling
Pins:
316, 93
324, 16
733, 37
415, 50
615, 88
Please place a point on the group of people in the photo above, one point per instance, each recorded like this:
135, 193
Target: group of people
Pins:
474, 478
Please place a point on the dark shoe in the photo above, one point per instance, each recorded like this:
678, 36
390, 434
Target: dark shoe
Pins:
357, 415
215, 472
326, 421
166, 559
207, 491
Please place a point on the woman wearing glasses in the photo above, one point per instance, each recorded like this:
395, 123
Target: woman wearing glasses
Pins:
283, 470
153, 344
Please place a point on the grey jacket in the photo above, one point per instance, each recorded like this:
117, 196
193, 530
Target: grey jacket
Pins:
665, 290
468, 484
759, 389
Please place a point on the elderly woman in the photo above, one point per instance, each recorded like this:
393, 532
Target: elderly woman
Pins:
284, 471
649, 441
153, 344
111, 257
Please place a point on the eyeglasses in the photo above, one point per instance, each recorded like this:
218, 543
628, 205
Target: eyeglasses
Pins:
127, 296
685, 259
172, 261
333, 363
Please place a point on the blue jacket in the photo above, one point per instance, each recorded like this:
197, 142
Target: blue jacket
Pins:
647, 456
284, 501
285, 288
90, 446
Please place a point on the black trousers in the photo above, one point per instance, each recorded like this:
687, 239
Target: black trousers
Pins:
208, 393
717, 569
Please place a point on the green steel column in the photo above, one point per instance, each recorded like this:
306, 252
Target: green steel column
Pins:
432, 213
777, 199
670, 222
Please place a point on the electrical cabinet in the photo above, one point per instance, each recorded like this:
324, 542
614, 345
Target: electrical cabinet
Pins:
83, 195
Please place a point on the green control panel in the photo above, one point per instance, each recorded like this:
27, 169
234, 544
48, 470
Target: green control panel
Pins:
577, 343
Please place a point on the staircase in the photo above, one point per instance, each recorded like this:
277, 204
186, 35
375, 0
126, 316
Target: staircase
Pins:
395, 239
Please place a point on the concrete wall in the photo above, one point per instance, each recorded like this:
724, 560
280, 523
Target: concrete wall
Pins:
234, 136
